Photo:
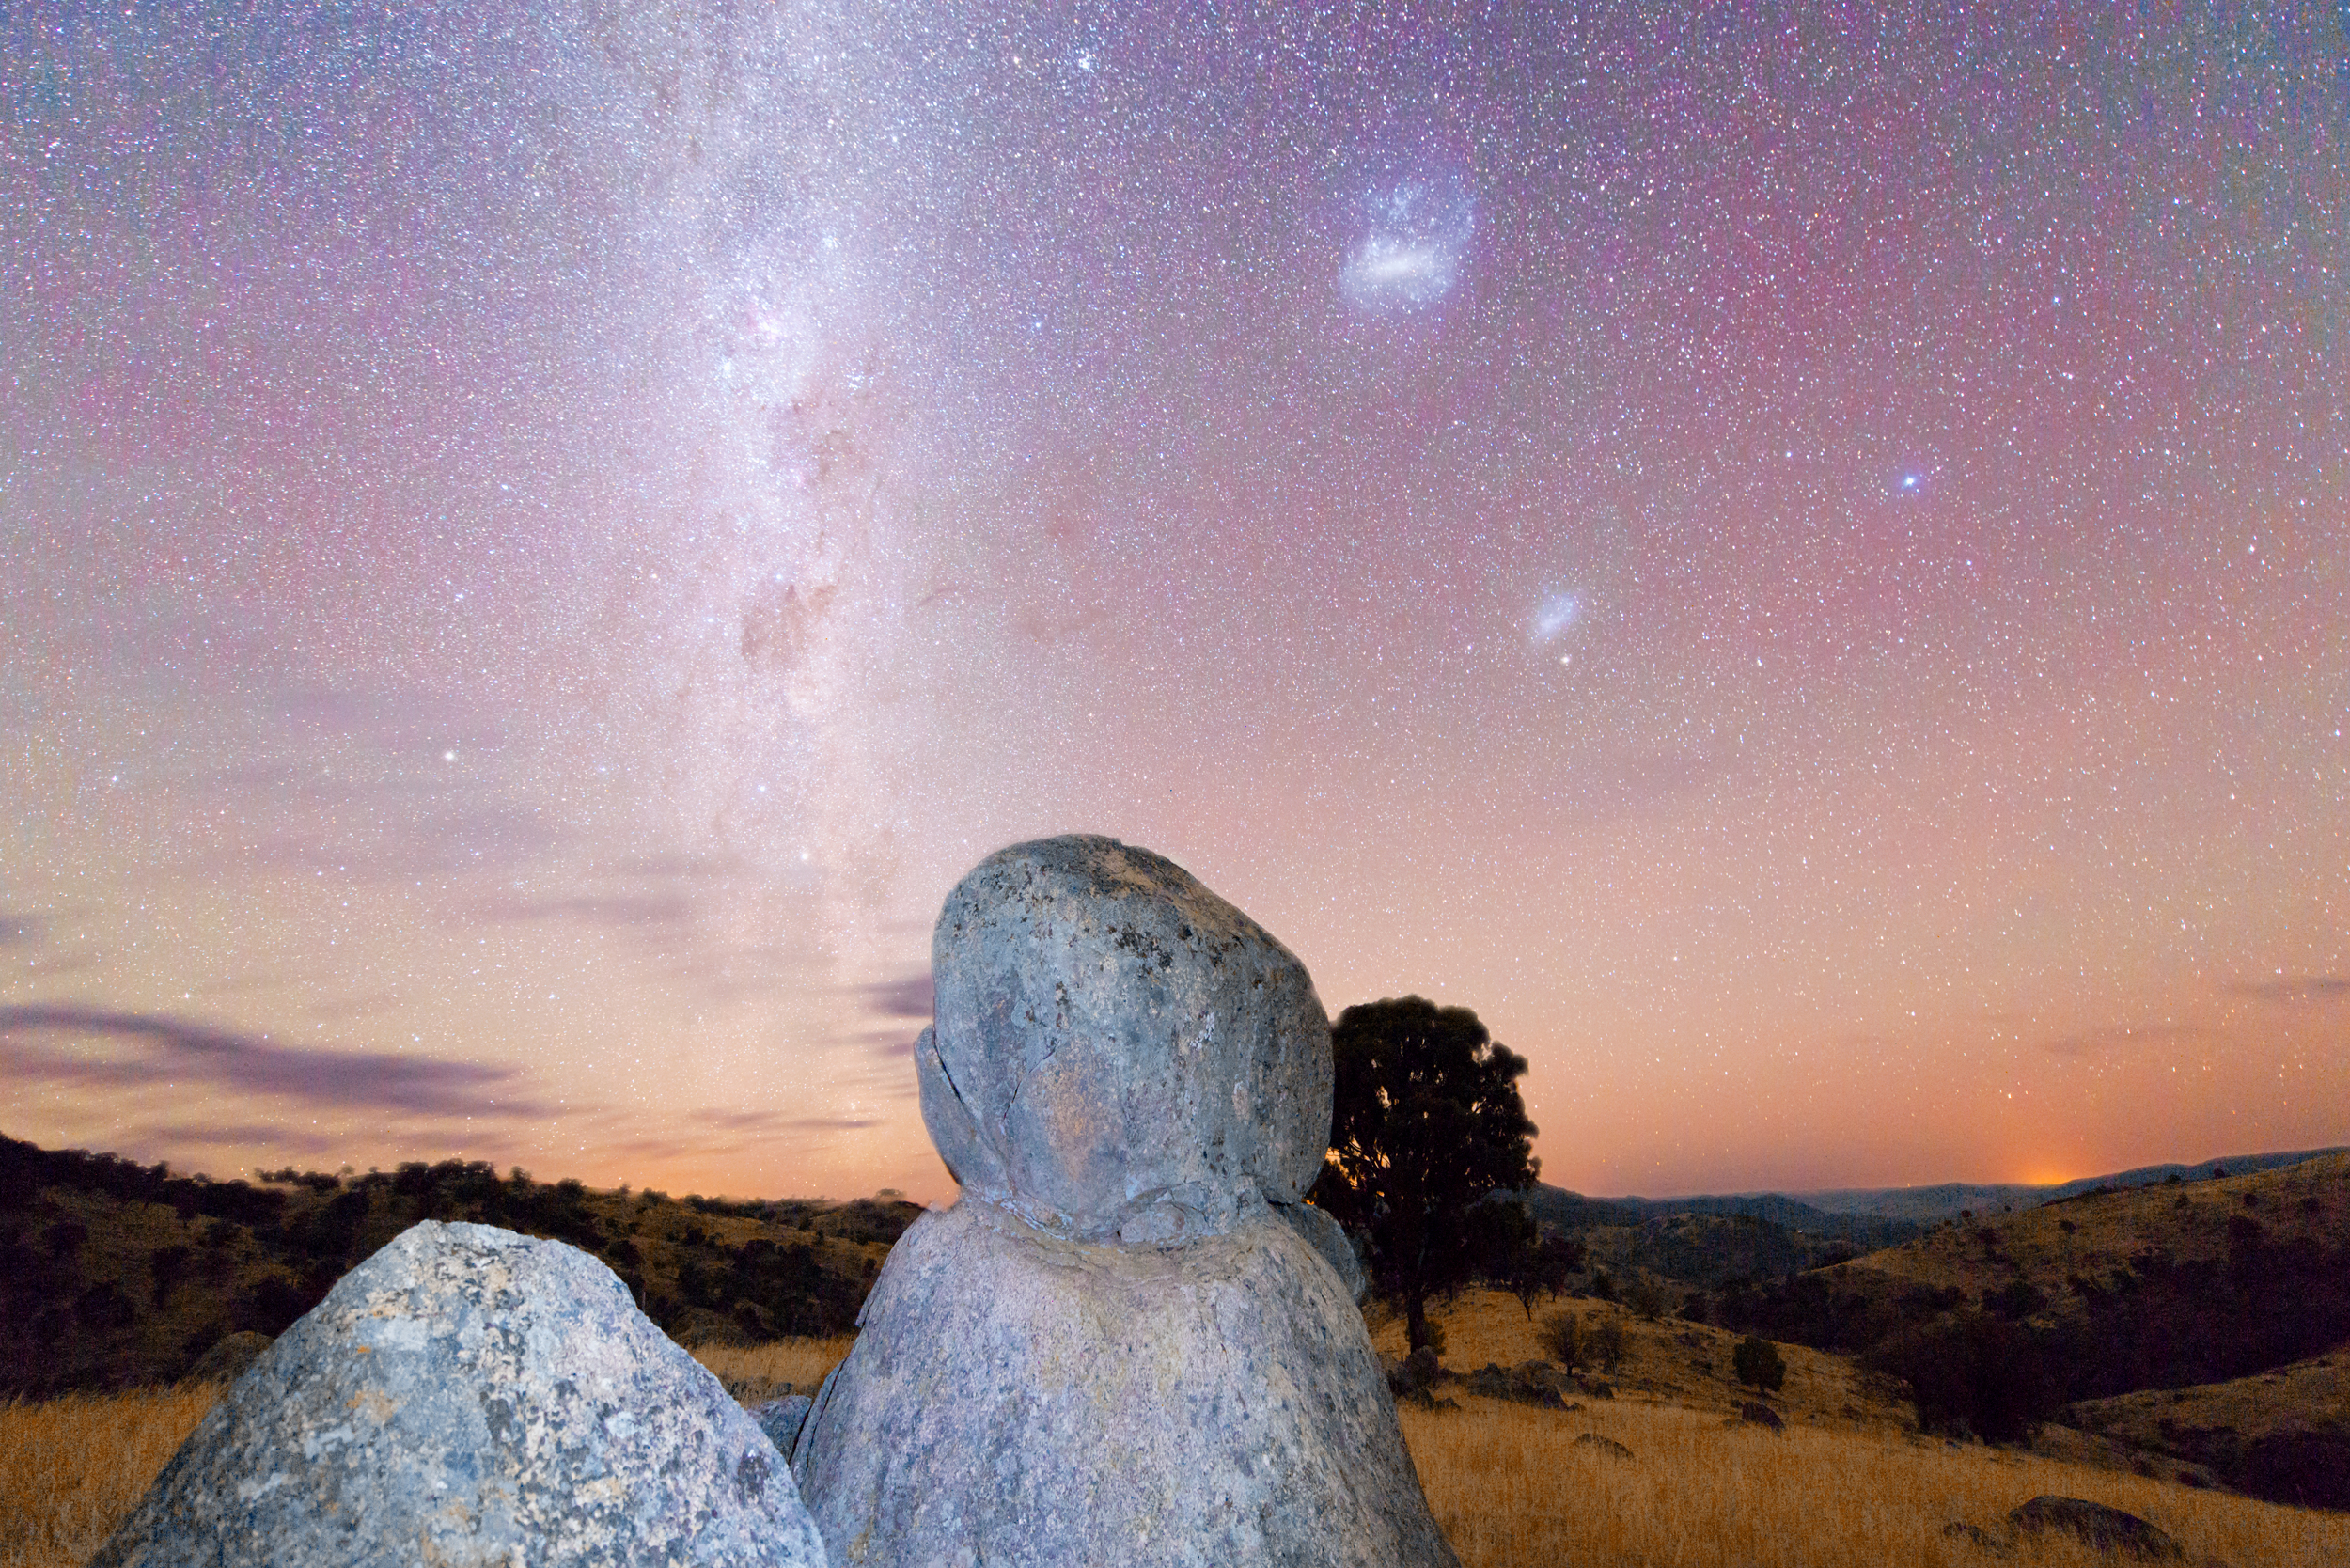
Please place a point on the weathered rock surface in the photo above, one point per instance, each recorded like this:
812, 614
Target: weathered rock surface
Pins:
781, 1419
2105, 1529
1607, 1446
1326, 1236
1755, 1413
1020, 1398
1118, 1052
470, 1396
1130, 1342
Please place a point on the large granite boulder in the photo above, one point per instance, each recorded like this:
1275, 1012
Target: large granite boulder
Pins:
470, 1396
1129, 1341
1118, 1051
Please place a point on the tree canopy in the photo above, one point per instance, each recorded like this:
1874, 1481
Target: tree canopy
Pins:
1426, 1125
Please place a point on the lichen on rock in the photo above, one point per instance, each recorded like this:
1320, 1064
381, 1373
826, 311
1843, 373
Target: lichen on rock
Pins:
468, 1396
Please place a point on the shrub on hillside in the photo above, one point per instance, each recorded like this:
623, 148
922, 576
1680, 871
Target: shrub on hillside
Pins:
1562, 1339
1758, 1361
1970, 1372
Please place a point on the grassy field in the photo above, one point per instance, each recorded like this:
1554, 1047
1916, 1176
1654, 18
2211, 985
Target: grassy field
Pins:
1510, 1484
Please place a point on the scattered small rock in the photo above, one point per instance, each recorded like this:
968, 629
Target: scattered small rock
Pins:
1535, 1382
1607, 1446
1978, 1537
1417, 1371
2105, 1529
1755, 1413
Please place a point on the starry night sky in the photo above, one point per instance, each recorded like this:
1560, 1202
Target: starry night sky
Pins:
1796, 558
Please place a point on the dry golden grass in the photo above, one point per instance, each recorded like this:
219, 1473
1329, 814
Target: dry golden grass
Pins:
1510, 1486
1507, 1484
71, 1467
2095, 1235
2314, 1392
1689, 1363
756, 1372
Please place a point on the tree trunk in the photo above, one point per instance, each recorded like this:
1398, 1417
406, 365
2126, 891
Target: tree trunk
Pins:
1415, 1322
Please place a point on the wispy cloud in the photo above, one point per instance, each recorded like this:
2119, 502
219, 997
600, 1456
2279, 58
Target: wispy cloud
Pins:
2298, 988
2120, 1038
183, 1050
911, 996
245, 1135
621, 909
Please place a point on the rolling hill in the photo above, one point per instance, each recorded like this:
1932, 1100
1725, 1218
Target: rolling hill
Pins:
115, 1275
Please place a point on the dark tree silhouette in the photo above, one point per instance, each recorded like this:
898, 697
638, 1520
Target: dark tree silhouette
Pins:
1530, 1260
1425, 1126
1758, 1361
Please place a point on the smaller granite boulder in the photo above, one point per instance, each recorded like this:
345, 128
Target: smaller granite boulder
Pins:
1755, 1413
1605, 1446
470, 1396
2108, 1530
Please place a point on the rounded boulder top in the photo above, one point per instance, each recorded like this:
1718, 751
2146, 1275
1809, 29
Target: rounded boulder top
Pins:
1118, 1052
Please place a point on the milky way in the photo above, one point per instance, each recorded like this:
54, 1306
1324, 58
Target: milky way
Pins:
1793, 557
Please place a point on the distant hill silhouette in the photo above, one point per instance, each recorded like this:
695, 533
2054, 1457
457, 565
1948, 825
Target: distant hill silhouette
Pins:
1946, 1200
115, 1275
1997, 1320
1572, 1211
1843, 1212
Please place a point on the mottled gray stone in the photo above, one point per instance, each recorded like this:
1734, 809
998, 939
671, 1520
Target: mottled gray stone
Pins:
1118, 1051
780, 1419
1129, 1342
1017, 1397
466, 1397
1328, 1237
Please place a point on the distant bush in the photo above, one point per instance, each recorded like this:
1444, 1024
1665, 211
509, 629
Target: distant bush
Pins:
1562, 1339
2016, 1299
1970, 1372
1607, 1342
1757, 1361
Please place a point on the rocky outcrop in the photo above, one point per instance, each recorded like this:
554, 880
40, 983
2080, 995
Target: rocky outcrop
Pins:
469, 1396
2105, 1529
1022, 1397
1129, 1341
1118, 1053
